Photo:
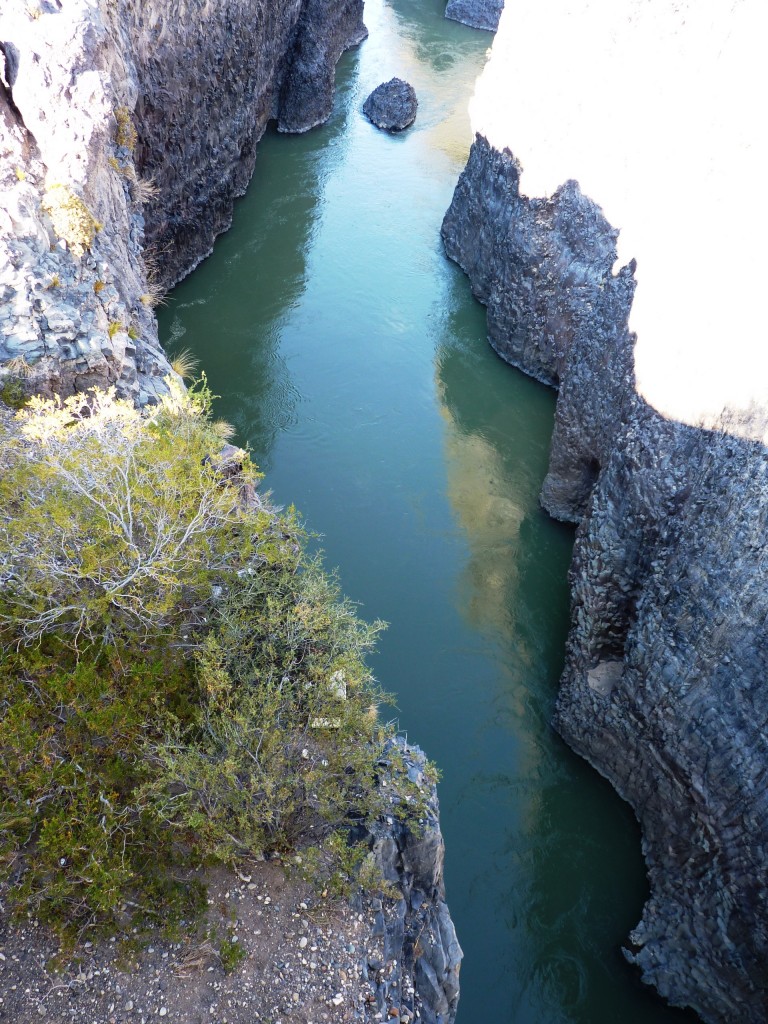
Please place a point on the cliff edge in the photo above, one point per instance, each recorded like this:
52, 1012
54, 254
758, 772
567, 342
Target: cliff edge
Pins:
129, 129
664, 470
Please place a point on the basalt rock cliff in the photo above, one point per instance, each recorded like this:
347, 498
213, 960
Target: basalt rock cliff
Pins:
664, 684
129, 128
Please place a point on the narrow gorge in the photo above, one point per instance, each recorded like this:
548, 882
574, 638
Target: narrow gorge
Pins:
609, 218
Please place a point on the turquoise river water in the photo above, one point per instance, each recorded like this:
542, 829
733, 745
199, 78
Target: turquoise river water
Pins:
351, 357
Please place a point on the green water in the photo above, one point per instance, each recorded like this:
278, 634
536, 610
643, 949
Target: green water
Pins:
351, 357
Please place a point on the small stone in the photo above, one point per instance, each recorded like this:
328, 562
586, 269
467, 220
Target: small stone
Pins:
302, 942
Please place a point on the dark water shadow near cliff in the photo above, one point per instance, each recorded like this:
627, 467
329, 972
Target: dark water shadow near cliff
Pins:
563, 849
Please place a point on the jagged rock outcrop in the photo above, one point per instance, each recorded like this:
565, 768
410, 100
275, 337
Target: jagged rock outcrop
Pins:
72, 277
392, 105
148, 115
418, 971
663, 687
325, 29
476, 13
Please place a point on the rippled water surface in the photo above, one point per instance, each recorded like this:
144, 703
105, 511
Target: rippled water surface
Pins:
351, 357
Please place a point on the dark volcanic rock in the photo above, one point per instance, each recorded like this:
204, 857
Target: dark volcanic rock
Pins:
420, 944
543, 269
206, 97
664, 684
326, 28
392, 105
476, 13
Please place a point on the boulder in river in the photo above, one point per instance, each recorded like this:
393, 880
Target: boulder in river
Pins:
392, 105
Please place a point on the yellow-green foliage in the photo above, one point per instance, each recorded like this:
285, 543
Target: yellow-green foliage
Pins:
185, 363
125, 133
71, 218
120, 515
177, 679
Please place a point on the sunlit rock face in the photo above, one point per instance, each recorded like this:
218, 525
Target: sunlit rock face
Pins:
71, 310
655, 110
148, 114
598, 204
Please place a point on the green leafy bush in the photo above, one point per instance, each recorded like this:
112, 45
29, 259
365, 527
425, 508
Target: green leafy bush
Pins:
179, 681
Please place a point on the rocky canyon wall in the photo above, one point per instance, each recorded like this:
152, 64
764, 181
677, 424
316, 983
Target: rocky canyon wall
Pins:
205, 80
658, 449
129, 128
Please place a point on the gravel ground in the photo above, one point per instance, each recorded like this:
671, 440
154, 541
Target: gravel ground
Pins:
307, 961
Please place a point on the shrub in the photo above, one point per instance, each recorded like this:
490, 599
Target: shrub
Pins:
110, 523
125, 133
71, 218
12, 393
178, 679
280, 755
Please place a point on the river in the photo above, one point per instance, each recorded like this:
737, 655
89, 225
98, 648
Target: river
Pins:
351, 358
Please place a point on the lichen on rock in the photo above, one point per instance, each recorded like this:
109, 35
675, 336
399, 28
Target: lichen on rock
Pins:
72, 221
